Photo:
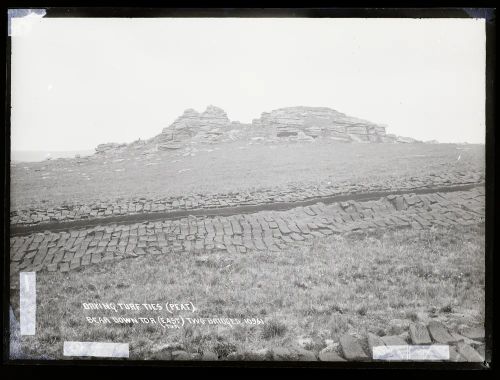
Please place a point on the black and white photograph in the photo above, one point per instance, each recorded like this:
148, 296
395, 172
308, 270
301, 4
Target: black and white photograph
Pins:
250, 189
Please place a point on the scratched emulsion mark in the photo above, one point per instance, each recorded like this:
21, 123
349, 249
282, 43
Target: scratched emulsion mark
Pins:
20, 21
27, 302
412, 352
96, 349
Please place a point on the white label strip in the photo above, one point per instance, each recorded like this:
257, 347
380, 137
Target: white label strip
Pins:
407, 352
96, 349
27, 302
433, 352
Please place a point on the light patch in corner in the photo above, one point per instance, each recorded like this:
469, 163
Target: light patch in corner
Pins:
21, 21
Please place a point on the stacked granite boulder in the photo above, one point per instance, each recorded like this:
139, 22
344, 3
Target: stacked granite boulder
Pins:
300, 124
314, 122
109, 147
318, 122
208, 126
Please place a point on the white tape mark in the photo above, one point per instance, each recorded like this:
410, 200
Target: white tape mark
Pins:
96, 349
27, 302
408, 352
433, 352
390, 352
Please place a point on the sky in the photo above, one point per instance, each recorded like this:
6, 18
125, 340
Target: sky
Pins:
79, 82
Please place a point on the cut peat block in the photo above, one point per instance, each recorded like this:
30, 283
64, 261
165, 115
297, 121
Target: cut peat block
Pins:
419, 334
439, 333
352, 349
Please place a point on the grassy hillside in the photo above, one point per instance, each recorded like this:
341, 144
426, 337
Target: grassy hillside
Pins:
233, 167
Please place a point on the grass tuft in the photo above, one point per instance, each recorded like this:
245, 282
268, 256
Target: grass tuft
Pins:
272, 329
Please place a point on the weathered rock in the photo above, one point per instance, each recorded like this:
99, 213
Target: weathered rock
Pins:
461, 338
481, 349
292, 354
454, 355
209, 356
169, 146
330, 356
313, 122
393, 340
399, 203
474, 333
196, 356
258, 355
301, 136
235, 356
351, 348
419, 334
214, 117
283, 354
192, 123
439, 333
101, 148
161, 355
305, 355
374, 341
468, 353
181, 355
405, 336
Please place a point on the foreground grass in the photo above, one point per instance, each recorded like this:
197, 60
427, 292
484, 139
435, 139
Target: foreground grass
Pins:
341, 284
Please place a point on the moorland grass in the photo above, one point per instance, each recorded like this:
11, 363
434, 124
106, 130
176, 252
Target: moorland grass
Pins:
227, 168
340, 284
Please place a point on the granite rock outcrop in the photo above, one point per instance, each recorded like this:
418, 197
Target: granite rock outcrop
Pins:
300, 124
321, 122
208, 126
